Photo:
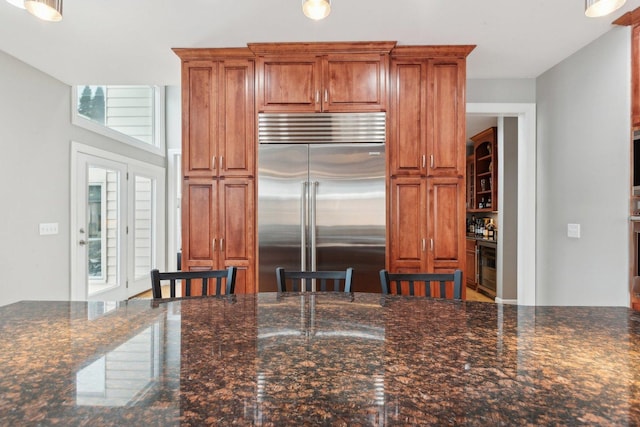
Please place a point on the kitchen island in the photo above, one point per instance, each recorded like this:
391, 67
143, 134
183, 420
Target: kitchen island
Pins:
317, 359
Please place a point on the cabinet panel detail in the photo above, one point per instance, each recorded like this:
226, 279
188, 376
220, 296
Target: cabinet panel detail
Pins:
446, 207
200, 106
200, 220
445, 140
407, 233
408, 119
237, 119
288, 84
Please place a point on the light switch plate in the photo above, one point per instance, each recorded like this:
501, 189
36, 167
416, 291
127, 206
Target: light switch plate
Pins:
573, 230
48, 228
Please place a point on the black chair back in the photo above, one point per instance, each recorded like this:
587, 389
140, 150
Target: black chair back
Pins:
325, 280
228, 276
406, 283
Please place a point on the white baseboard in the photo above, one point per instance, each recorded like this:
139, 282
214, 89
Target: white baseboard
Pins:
506, 301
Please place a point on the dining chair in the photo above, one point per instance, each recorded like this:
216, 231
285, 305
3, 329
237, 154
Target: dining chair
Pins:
406, 283
228, 276
341, 280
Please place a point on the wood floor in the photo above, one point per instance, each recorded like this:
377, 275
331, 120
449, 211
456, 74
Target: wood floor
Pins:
471, 295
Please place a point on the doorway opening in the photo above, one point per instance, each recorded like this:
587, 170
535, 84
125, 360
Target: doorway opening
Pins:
526, 188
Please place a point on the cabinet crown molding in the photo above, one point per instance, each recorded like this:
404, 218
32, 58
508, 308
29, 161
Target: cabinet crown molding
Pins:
433, 51
321, 47
187, 54
629, 18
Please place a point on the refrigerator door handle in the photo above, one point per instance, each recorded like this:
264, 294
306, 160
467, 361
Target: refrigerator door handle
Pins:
303, 227
312, 224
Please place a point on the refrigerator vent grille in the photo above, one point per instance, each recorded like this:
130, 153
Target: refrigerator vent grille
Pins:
321, 128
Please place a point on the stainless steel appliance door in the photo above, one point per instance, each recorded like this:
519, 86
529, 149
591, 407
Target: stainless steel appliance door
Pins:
347, 189
282, 180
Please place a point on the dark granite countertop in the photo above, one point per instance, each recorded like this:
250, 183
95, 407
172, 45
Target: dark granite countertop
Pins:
325, 359
482, 240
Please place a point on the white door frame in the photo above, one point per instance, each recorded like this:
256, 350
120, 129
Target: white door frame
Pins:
526, 114
77, 285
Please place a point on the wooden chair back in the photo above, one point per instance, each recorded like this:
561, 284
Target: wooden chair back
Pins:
218, 276
293, 281
421, 283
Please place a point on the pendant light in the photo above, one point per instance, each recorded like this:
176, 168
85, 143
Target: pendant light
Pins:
47, 10
17, 3
316, 9
597, 8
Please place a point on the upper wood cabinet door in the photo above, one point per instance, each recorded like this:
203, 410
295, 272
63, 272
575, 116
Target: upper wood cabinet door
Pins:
407, 146
354, 82
289, 84
218, 127
314, 83
199, 118
236, 119
446, 107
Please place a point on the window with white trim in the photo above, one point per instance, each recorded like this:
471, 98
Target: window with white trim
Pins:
130, 114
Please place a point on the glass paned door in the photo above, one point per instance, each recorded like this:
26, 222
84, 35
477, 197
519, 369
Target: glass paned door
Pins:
146, 211
100, 233
117, 225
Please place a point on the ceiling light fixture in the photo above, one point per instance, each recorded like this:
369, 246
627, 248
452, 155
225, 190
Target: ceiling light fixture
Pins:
17, 3
597, 8
316, 9
47, 10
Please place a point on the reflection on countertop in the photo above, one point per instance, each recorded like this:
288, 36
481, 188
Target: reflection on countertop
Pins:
317, 359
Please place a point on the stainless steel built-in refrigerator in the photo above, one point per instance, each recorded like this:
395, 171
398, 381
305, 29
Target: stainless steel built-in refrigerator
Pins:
321, 195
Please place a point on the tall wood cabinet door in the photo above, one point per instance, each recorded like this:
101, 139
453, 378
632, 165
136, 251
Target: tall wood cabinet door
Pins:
199, 113
408, 118
446, 224
289, 84
236, 119
355, 82
407, 224
237, 228
199, 224
470, 264
446, 131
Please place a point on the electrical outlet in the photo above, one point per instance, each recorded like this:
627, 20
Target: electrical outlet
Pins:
48, 228
573, 230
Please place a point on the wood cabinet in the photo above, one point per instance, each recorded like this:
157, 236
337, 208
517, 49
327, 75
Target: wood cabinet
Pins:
471, 277
426, 166
426, 116
322, 77
427, 159
484, 184
219, 155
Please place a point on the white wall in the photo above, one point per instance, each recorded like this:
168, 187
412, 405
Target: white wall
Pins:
35, 138
501, 91
583, 110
